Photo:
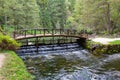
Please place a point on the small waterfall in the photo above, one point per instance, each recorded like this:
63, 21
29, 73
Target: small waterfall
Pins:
47, 49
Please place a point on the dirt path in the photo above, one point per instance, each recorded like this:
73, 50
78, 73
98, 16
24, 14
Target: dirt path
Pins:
2, 58
104, 40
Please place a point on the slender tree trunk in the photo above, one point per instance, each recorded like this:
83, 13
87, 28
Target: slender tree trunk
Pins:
5, 18
108, 18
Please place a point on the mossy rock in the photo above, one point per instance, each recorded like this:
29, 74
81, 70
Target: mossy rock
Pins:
98, 49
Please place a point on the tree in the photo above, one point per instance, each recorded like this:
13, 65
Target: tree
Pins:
52, 13
101, 16
21, 13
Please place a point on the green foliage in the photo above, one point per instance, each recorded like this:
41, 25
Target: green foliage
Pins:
7, 43
8, 30
14, 68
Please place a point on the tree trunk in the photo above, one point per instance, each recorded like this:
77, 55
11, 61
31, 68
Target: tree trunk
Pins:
108, 18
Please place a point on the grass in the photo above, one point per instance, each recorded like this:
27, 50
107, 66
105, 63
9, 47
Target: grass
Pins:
14, 68
115, 42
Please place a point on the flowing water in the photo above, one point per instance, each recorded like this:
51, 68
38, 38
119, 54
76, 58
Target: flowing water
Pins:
69, 62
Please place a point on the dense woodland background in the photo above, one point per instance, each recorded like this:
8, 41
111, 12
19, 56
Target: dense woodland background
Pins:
94, 16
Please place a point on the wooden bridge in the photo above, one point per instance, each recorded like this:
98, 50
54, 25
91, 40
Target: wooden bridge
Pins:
25, 34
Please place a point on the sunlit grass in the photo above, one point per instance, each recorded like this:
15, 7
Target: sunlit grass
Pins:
115, 42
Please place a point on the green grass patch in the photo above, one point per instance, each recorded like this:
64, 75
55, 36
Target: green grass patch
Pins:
14, 68
115, 42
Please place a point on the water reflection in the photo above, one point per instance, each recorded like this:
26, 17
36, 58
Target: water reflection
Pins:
71, 63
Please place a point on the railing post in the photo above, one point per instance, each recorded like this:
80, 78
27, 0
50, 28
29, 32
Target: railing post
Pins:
67, 31
52, 31
74, 32
43, 41
40, 31
71, 39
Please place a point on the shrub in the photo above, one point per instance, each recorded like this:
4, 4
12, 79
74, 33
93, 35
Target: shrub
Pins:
7, 43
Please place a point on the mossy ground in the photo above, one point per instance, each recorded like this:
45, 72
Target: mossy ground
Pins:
14, 68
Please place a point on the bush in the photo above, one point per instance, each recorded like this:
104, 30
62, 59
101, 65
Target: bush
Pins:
7, 43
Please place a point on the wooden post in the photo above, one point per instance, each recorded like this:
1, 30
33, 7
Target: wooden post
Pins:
43, 41
53, 39
55, 31
37, 46
53, 43
39, 41
67, 31
71, 39
36, 41
75, 31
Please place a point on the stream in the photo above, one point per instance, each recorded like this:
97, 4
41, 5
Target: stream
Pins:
69, 62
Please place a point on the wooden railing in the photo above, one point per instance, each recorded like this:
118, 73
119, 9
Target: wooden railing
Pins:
39, 36
44, 32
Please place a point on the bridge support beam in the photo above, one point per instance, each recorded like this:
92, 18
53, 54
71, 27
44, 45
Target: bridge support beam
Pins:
82, 42
36, 44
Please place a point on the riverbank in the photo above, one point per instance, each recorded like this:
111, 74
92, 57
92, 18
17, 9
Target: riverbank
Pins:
100, 46
13, 68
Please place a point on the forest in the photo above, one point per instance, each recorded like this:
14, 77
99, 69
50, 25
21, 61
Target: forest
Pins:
94, 16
